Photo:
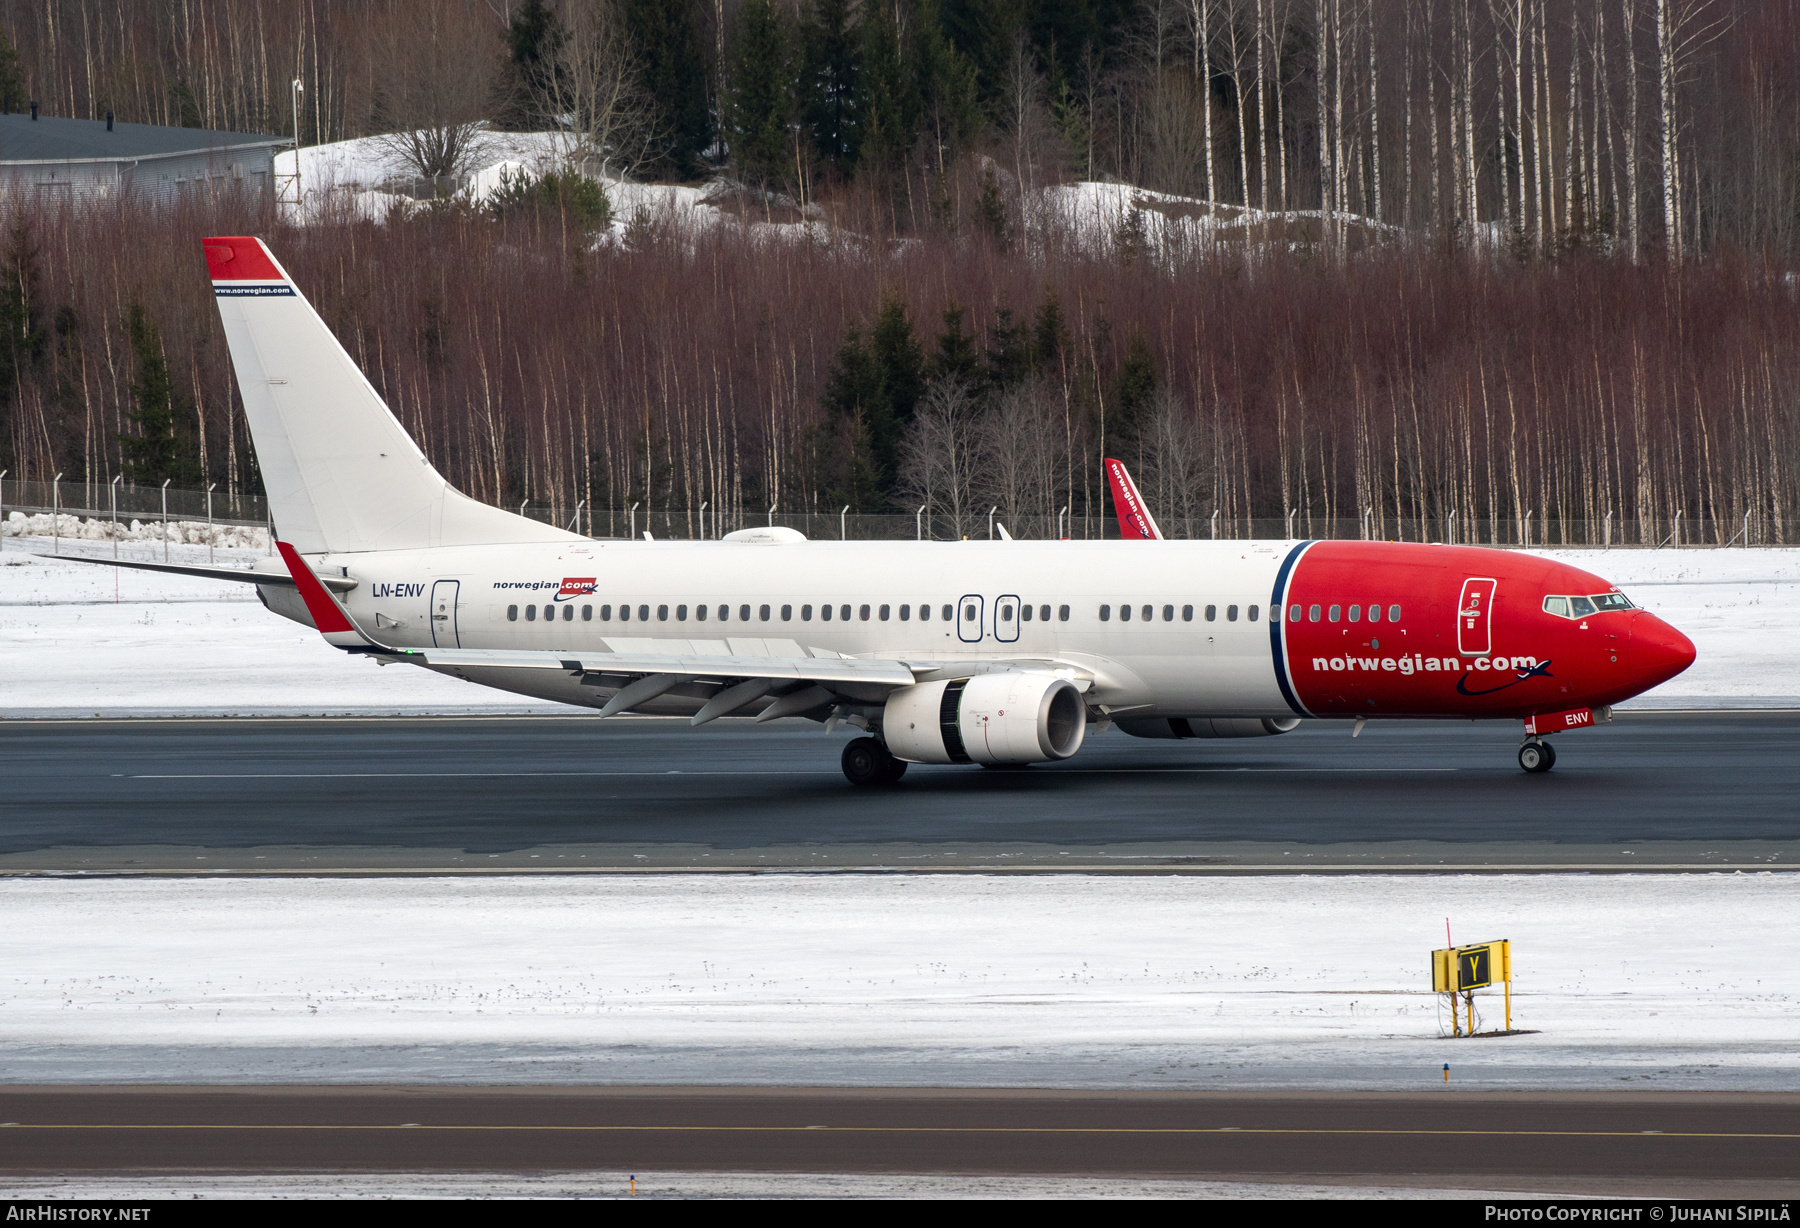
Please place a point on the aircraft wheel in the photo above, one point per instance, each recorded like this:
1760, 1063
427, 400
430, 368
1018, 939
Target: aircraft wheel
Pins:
867, 762
1537, 757
896, 769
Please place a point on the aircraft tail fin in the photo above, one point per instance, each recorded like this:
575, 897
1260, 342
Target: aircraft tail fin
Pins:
341, 472
1135, 521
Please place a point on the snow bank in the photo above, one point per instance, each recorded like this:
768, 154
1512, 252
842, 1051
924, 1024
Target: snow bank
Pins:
878, 979
1100, 216
370, 177
189, 532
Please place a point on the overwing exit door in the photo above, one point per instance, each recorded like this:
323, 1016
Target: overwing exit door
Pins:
1474, 618
969, 628
1006, 619
443, 614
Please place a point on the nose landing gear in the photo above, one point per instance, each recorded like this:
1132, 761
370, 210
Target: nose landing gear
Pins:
1537, 755
867, 762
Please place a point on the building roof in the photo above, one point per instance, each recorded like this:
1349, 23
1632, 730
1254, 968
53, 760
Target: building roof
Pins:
50, 139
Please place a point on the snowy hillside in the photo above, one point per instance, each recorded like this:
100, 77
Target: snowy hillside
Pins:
367, 177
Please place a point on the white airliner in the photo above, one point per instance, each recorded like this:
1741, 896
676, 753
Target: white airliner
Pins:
997, 653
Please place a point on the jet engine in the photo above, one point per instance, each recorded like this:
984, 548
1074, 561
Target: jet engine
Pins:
1017, 716
1206, 727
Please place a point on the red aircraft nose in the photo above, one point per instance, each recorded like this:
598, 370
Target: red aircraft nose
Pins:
1658, 651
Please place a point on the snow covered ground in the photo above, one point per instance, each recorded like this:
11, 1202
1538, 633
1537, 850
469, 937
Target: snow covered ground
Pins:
1661, 980
369, 178
700, 1185
79, 640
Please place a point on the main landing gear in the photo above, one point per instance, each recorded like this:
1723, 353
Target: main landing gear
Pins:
867, 762
1537, 755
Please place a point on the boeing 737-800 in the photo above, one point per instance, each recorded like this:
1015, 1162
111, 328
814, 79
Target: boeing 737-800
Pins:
996, 653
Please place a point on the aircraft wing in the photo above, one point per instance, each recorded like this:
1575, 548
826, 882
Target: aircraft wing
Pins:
792, 669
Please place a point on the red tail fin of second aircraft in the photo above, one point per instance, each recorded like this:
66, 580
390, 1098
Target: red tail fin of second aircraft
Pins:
1135, 521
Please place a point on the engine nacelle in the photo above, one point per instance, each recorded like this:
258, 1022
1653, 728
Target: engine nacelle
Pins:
1013, 717
1206, 727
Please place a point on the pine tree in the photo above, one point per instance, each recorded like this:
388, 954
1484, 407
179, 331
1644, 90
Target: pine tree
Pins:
891, 99
21, 314
874, 389
21, 321
1009, 351
12, 75
902, 364
666, 37
533, 38
955, 358
944, 81
1049, 334
762, 94
165, 445
830, 90
1133, 388
982, 32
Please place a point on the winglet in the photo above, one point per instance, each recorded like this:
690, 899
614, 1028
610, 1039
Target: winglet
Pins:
1135, 521
328, 613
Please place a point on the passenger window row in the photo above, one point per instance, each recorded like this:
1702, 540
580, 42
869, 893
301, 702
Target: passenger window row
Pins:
1335, 614
765, 613
1147, 613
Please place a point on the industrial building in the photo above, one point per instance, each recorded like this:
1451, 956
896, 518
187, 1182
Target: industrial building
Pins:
97, 159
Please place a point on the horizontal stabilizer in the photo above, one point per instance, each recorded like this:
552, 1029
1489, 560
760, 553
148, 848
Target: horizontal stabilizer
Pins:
244, 575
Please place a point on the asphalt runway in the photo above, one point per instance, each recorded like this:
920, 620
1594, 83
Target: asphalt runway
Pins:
1670, 1143
574, 793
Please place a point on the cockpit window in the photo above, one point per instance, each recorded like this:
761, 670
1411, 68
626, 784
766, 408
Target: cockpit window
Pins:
1581, 607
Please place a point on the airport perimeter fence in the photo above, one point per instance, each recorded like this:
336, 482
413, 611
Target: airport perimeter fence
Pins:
126, 502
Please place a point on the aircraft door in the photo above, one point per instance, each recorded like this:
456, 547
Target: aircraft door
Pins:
443, 614
969, 619
1474, 618
1006, 619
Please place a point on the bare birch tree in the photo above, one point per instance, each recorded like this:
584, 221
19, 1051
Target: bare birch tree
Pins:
1200, 13
939, 455
608, 120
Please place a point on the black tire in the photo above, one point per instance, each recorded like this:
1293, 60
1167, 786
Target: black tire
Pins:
866, 762
1536, 757
896, 769
1550, 752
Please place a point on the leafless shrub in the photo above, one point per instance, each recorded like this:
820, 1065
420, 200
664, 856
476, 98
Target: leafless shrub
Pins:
436, 61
